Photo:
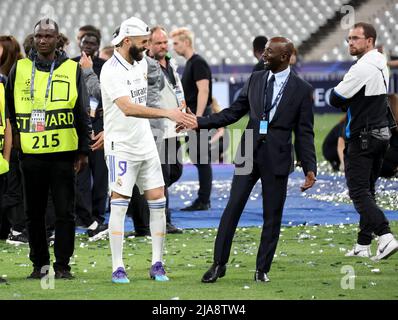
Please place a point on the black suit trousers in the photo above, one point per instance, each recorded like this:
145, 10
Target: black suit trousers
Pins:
274, 196
40, 176
92, 189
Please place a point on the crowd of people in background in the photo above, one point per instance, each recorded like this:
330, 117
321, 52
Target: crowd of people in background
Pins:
52, 182
21, 220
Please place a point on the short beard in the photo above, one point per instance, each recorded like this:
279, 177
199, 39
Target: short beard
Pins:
136, 54
159, 56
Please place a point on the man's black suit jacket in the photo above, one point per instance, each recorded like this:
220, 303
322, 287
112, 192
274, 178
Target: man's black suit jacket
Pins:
294, 113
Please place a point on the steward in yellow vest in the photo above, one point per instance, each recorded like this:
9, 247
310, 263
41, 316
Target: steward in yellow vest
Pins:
5, 147
5, 136
48, 103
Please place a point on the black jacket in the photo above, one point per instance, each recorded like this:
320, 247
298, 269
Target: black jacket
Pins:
294, 113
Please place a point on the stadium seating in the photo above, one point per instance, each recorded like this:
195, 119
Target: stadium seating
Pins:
382, 14
224, 29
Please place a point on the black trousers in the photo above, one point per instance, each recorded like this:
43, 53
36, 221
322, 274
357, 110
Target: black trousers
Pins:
274, 190
330, 154
40, 175
3, 183
12, 204
390, 163
92, 188
199, 150
138, 210
362, 168
171, 167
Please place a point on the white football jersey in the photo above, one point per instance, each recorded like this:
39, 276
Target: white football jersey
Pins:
129, 137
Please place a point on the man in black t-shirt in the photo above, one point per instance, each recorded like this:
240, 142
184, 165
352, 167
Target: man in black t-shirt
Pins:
196, 82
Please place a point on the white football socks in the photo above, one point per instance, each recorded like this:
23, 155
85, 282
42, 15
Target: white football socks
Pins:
157, 225
116, 231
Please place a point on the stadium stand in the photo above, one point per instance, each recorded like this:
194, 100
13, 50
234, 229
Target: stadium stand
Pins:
382, 14
224, 29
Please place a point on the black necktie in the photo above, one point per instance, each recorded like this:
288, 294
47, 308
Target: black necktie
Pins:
269, 92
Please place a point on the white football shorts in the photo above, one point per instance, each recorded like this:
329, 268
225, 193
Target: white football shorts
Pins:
124, 174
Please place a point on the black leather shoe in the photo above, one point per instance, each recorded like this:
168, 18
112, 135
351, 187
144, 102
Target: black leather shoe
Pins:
260, 276
63, 274
197, 206
216, 271
170, 228
37, 274
138, 233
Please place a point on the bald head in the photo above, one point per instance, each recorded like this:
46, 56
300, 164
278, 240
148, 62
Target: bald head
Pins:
285, 44
277, 53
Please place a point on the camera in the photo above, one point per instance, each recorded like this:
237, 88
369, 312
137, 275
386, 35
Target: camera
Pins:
364, 139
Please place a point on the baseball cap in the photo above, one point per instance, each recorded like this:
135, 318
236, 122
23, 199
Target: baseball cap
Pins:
132, 27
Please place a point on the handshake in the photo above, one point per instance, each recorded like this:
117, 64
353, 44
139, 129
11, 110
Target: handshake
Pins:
184, 120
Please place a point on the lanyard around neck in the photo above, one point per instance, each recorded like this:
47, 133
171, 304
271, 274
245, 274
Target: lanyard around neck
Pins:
276, 101
32, 82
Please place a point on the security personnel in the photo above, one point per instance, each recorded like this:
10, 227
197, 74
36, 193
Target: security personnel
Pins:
5, 138
363, 94
5, 146
47, 100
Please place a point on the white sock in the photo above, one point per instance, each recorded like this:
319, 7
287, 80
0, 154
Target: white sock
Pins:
116, 231
93, 226
157, 225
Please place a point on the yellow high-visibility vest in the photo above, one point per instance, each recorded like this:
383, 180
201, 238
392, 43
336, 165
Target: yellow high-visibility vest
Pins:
59, 134
4, 166
2, 116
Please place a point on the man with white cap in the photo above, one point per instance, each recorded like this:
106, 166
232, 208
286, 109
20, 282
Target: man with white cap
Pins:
130, 148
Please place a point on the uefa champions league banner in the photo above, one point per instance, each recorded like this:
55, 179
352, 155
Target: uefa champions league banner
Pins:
322, 90
321, 95
323, 76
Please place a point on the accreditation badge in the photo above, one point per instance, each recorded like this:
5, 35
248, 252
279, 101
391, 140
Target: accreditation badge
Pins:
38, 120
263, 127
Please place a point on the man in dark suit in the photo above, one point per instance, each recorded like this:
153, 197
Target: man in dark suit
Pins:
278, 103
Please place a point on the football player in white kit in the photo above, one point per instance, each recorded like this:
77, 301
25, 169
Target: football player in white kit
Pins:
130, 148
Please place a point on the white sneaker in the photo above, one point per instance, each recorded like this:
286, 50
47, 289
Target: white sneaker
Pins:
387, 246
359, 251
